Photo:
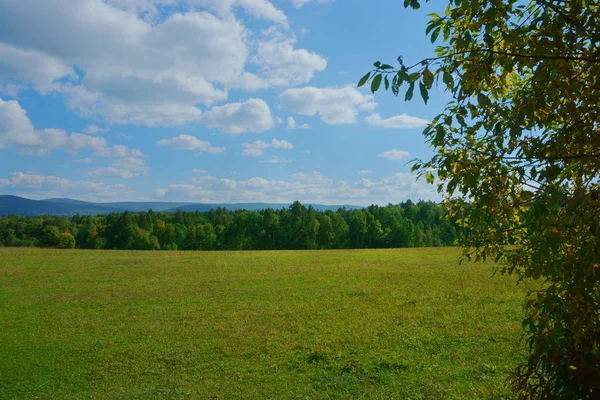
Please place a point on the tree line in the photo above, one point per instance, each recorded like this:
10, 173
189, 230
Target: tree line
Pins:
407, 224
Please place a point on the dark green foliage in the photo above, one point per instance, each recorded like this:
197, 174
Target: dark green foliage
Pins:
297, 227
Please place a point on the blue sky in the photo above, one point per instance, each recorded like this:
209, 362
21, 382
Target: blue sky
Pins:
209, 101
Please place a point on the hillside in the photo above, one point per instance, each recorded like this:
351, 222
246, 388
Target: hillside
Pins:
15, 205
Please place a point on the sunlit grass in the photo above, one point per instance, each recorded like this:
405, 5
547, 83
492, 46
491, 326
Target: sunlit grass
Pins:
381, 324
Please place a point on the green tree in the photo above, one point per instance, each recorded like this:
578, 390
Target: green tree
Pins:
65, 241
326, 232
50, 235
357, 232
518, 145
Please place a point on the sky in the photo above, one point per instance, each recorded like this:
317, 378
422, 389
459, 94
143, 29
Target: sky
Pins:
210, 101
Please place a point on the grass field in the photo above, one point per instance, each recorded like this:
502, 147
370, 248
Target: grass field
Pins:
380, 324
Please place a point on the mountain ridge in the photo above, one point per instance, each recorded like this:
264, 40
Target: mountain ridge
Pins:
21, 206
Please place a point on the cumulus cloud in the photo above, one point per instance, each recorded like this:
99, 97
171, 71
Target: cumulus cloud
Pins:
86, 160
257, 148
123, 168
191, 143
312, 177
301, 3
394, 154
124, 136
93, 130
139, 67
43, 186
161, 192
16, 130
335, 106
275, 160
308, 187
253, 115
291, 124
262, 9
282, 64
33, 66
365, 172
402, 121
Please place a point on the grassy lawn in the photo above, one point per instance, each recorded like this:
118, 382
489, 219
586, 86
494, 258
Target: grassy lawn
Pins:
380, 324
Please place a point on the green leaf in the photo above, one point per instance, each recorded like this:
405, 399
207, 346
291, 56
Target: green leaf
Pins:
435, 34
415, 4
376, 83
386, 66
489, 40
403, 76
428, 78
387, 83
364, 79
409, 92
429, 177
439, 136
424, 93
483, 100
414, 76
395, 85
448, 79
377, 64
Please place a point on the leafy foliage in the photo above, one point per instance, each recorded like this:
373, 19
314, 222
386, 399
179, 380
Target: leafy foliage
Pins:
296, 227
518, 147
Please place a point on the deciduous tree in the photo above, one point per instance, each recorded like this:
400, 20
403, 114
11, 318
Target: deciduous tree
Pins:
519, 144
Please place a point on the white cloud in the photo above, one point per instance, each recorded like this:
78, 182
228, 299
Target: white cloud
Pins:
257, 8
93, 129
44, 186
11, 89
198, 171
335, 106
275, 160
253, 115
161, 192
394, 154
16, 130
124, 136
283, 65
257, 148
301, 3
123, 168
83, 161
133, 71
291, 124
312, 177
398, 122
365, 172
263, 9
311, 187
191, 143
32, 66
139, 66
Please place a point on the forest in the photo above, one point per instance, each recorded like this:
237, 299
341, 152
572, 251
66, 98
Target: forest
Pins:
408, 224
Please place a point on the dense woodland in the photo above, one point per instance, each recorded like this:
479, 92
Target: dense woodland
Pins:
297, 227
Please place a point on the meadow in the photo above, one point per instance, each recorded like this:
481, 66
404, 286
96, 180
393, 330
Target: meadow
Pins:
348, 324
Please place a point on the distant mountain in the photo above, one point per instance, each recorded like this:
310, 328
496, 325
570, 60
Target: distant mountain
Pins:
14, 205
254, 207
126, 205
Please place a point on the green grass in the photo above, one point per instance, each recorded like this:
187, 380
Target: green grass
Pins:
376, 324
